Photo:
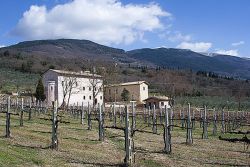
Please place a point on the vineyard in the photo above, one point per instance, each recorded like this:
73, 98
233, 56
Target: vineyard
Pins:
34, 135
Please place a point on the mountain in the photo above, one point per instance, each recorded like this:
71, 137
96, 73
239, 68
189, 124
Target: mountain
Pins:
69, 48
187, 59
74, 51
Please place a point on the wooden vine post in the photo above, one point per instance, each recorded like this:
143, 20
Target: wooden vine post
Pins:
182, 119
222, 122
89, 118
204, 132
189, 137
100, 120
228, 122
161, 116
128, 140
149, 115
172, 118
7, 134
154, 121
54, 144
30, 109
133, 115
145, 115
82, 114
167, 133
201, 119
215, 122
17, 105
114, 115
120, 114
21, 113
193, 120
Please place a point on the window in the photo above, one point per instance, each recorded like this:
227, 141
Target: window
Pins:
109, 91
83, 88
149, 104
162, 103
100, 97
84, 98
95, 89
51, 88
89, 88
144, 88
89, 97
62, 83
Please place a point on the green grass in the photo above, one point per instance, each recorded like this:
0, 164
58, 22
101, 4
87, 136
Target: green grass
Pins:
214, 102
14, 155
151, 163
11, 80
28, 146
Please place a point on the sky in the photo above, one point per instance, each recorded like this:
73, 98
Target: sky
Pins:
218, 26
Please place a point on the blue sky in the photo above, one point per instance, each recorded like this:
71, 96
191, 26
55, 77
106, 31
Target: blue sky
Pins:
220, 26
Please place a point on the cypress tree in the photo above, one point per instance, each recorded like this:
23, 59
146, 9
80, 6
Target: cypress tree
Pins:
40, 91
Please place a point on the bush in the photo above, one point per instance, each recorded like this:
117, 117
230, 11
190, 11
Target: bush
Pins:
51, 67
125, 95
6, 53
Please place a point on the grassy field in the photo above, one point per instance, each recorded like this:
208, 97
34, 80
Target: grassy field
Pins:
215, 101
11, 80
28, 146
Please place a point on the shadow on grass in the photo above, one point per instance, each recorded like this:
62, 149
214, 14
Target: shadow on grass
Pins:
97, 164
115, 136
141, 150
30, 147
225, 164
77, 129
37, 131
85, 140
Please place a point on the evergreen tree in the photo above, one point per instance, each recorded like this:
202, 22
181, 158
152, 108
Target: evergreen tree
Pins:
40, 91
125, 95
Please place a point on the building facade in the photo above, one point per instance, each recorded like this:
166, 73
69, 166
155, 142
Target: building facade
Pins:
72, 88
158, 102
138, 91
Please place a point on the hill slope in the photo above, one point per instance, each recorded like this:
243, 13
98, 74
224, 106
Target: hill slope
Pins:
71, 52
187, 59
68, 48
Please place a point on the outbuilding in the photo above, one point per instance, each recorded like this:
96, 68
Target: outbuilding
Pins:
157, 101
137, 91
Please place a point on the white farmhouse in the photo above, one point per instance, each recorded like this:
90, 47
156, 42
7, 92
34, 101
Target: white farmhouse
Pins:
73, 88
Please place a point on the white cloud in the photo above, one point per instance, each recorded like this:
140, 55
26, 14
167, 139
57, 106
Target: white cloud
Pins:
228, 52
177, 36
197, 46
103, 21
1, 46
238, 43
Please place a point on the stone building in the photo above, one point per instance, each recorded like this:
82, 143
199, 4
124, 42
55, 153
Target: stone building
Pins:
73, 88
158, 101
138, 91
